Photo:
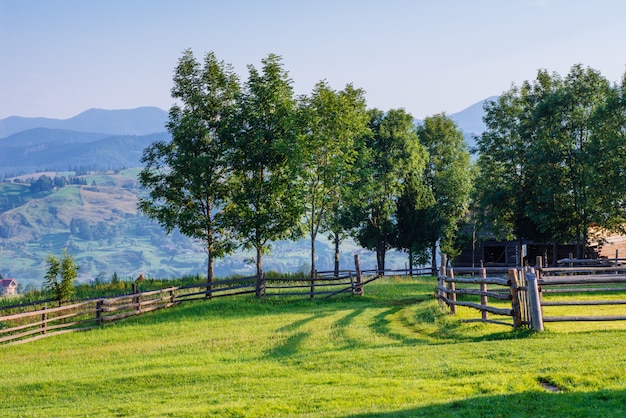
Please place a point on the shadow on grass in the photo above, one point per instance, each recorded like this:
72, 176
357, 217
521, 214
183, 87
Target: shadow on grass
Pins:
289, 347
425, 322
603, 403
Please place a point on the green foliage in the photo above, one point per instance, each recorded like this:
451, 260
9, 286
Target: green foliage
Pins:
60, 277
386, 157
187, 177
551, 159
264, 203
332, 122
448, 180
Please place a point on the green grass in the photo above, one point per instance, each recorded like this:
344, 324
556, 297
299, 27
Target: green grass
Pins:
390, 353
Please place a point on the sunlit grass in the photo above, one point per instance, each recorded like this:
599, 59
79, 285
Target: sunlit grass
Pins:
392, 352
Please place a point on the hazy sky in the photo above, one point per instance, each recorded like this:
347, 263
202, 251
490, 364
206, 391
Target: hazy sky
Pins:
61, 57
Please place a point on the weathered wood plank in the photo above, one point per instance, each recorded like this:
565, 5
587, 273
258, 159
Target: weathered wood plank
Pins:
46, 311
583, 302
490, 309
582, 318
476, 292
581, 280
475, 280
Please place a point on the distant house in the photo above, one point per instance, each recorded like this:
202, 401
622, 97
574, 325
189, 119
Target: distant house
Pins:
8, 287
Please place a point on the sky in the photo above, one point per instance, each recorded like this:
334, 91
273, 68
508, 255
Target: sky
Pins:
59, 58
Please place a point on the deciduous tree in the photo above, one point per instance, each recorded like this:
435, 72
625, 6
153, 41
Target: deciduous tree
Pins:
448, 179
187, 178
265, 203
332, 121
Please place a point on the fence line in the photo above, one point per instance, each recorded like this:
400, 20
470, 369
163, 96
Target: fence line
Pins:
576, 276
448, 289
45, 321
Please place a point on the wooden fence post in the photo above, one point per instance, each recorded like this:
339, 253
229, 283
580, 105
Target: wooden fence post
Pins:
359, 280
99, 312
536, 318
136, 298
515, 303
443, 266
44, 320
484, 301
452, 294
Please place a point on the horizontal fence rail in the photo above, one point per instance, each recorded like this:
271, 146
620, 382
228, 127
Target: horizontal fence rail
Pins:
603, 278
475, 285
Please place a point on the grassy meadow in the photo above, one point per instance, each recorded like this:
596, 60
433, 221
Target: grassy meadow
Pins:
392, 352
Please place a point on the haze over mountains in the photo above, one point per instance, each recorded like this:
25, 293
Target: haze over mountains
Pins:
100, 139
98, 222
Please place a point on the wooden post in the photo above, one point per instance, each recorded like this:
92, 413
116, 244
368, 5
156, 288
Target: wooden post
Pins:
359, 280
536, 317
452, 294
483, 298
571, 257
44, 320
443, 266
136, 298
515, 303
99, 312
313, 275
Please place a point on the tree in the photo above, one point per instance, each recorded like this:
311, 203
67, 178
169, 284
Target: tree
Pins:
551, 160
568, 199
188, 178
504, 187
411, 220
385, 157
60, 277
42, 184
265, 203
448, 179
332, 121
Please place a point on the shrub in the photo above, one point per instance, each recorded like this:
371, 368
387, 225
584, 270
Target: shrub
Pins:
60, 277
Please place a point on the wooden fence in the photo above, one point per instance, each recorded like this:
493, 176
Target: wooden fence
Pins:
605, 279
526, 288
474, 284
42, 320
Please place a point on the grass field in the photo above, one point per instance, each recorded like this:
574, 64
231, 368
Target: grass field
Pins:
390, 353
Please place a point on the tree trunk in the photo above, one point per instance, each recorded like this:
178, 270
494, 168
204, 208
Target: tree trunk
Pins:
313, 269
259, 261
433, 258
209, 275
313, 272
336, 239
410, 262
380, 257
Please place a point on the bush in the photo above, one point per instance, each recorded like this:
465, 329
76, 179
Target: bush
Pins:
60, 277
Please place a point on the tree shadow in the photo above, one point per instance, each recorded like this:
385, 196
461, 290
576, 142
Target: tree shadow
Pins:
602, 403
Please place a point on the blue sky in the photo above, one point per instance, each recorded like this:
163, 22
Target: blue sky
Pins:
61, 57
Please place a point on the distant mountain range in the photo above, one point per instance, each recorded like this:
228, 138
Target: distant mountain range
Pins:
100, 139
139, 121
93, 140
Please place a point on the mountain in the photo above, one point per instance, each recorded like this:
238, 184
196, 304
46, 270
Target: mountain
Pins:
470, 120
43, 149
139, 121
